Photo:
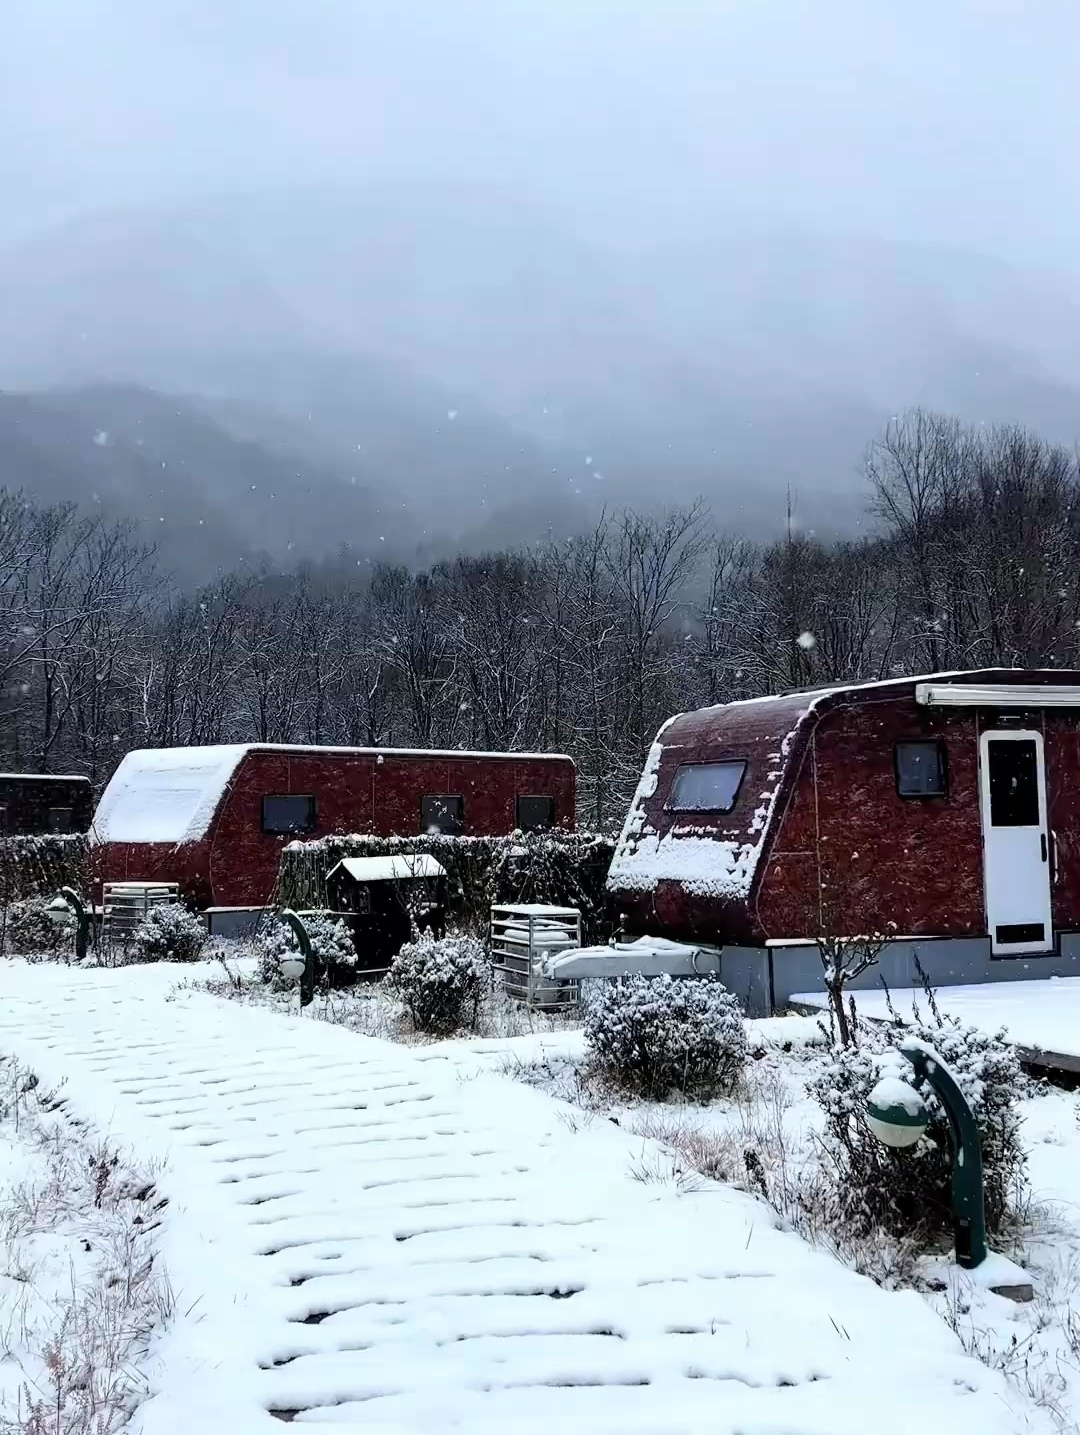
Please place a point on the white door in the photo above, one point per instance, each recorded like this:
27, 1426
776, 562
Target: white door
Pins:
1016, 866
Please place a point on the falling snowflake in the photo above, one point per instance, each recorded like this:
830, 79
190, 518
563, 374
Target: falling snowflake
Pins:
807, 641
101, 438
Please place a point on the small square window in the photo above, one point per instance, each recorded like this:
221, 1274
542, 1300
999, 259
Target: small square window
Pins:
706, 787
288, 812
61, 819
534, 814
920, 769
444, 814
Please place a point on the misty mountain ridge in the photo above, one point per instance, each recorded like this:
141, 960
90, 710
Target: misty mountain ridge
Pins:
418, 360
215, 485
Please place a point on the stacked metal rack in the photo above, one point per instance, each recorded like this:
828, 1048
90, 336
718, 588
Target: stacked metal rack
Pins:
522, 939
125, 904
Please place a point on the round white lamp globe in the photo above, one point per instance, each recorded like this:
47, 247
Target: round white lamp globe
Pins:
896, 1113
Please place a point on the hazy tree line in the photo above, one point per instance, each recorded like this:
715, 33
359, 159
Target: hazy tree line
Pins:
971, 558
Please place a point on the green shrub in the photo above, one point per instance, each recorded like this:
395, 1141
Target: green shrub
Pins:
906, 1191
169, 933
440, 982
657, 1035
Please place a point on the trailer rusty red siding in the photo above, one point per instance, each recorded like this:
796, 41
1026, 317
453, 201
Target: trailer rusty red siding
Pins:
224, 857
819, 838
851, 855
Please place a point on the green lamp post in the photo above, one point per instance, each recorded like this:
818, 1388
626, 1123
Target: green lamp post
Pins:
301, 963
897, 1115
67, 909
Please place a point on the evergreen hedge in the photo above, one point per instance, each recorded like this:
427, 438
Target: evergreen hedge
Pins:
563, 869
40, 866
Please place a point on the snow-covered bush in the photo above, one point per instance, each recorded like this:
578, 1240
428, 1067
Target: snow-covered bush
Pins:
169, 933
331, 946
26, 930
907, 1191
655, 1035
440, 982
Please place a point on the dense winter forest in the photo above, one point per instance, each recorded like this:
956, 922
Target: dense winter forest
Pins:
970, 558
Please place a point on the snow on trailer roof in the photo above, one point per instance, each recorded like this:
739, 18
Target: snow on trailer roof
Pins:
165, 794
812, 696
170, 794
400, 868
44, 776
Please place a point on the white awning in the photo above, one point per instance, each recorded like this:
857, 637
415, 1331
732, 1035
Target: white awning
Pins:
402, 867
996, 695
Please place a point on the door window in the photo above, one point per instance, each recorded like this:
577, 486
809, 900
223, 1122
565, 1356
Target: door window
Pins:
1014, 783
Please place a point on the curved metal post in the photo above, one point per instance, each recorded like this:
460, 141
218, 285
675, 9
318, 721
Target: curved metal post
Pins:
968, 1206
303, 941
82, 921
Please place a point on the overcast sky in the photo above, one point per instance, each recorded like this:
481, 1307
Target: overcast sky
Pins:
947, 120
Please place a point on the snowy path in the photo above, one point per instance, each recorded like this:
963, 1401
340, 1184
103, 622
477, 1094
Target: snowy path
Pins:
1039, 1015
399, 1240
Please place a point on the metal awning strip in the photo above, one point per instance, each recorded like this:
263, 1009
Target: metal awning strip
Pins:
996, 695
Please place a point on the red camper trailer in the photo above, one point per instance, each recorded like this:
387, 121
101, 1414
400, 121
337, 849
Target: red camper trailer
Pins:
215, 819
942, 811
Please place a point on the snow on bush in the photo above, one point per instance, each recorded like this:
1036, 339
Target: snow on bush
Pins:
26, 930
656, 1035
440, 982
169, 933
331, 946
905, 1192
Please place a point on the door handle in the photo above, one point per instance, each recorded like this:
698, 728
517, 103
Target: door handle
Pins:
1042, 840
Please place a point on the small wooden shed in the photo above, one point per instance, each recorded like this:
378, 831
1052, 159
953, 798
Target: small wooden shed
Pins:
381, 898
943, 808
215, 819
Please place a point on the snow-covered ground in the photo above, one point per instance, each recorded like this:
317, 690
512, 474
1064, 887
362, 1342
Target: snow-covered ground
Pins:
81, 1290
405, 1239
1039, 1015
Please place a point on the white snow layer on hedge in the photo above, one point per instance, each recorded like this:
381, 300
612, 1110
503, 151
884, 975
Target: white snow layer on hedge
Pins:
167, 794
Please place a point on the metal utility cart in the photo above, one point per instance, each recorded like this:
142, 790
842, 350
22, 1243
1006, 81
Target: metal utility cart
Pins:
523, 938
125, 904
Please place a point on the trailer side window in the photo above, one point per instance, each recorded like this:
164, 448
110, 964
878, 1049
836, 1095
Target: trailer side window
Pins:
535, 813
288, 812
61, 819
920, 769
706, 787
442, 813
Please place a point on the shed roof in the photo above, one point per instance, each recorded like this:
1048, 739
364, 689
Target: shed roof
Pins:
398, 868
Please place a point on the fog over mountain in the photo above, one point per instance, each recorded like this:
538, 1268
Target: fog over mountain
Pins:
402, 278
